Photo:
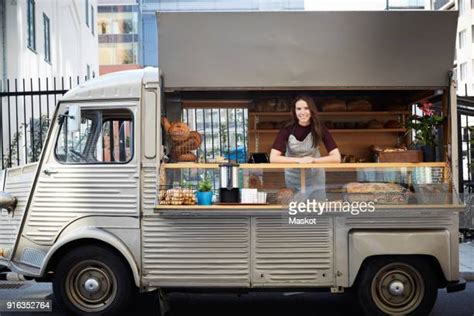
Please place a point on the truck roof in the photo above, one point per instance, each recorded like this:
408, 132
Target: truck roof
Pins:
118, 85
306, 50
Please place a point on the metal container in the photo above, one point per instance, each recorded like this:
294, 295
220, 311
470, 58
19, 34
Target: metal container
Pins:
229, 175
229, 191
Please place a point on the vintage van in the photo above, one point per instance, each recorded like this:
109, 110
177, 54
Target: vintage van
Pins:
87, 216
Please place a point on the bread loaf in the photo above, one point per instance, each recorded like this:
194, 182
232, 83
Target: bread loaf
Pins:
179, 131
166, 123
333, 106
359, 105
392, 124
284, 196
188, 157
380, 193
356, 187
374, 124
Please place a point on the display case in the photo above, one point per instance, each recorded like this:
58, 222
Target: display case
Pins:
384, 184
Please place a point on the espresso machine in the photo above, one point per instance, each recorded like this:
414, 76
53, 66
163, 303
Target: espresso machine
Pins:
229, 191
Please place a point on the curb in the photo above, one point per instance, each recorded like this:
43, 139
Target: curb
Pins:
468, 276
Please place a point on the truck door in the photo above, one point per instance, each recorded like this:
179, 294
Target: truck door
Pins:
92, 171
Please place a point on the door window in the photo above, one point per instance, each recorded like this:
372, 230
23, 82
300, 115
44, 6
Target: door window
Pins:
104, 136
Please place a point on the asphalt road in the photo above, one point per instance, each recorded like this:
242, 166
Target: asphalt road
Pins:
275, 304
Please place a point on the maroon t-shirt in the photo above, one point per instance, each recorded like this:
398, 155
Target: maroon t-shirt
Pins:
300, 132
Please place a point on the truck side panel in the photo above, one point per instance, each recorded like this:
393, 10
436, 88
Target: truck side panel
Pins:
18, 182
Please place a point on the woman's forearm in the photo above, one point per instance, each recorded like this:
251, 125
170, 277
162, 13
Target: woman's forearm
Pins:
330, 158
277, 158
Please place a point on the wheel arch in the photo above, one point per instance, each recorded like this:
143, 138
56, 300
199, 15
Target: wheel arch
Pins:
433, 246
428, 259
87, 237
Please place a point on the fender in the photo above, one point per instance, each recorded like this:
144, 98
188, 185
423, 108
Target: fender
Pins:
99, 235
364, 244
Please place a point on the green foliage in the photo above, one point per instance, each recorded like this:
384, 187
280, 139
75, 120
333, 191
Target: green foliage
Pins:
205, 185
37, 138
186, 184
11, 154
424, 128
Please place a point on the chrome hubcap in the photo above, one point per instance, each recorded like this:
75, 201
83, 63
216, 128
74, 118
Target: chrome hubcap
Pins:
91, 285
396, 288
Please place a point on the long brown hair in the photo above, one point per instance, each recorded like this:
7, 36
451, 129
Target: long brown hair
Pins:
315, 123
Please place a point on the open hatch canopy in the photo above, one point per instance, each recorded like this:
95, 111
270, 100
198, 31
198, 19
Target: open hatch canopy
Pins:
306, 50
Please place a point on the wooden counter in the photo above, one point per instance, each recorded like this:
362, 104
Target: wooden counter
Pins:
193, 165
281, 210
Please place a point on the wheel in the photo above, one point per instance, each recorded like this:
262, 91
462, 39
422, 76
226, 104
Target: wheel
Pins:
397, 286
95, 280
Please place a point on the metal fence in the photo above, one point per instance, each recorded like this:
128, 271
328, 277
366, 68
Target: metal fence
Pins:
26, 108
224, 132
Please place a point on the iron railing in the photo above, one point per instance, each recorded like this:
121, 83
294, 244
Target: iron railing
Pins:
26, 109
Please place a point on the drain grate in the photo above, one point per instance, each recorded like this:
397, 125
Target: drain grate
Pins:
9, 286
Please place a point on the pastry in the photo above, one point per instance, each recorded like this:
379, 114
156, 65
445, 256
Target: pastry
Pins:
374, 124
392, 124
166, 123
359, 105
334, 106
189, 157
284, 196
381, 193
255, 182
179, 131
197, 139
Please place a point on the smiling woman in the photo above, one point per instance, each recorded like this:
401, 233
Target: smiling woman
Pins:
299, 142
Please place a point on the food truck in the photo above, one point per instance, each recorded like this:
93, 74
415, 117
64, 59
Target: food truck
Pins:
110, 207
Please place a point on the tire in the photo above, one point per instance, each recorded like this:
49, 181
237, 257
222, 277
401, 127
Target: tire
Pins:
111, 287
397, 286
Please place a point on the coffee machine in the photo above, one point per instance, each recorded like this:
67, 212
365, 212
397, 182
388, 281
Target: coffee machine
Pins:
229, 191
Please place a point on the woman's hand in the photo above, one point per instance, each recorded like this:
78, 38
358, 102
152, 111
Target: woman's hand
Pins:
307, 159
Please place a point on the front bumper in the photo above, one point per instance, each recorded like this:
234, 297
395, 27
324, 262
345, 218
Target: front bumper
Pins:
456, 286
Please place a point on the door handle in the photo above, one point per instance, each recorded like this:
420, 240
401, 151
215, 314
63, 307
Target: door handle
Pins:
49, 172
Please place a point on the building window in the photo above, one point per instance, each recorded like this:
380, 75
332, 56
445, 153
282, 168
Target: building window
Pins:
92, 20
87, 12
31, 25
463, 72
88, 72
462, 39
47, 40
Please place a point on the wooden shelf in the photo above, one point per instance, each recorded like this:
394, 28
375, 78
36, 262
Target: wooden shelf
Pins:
387, 113
328, 166
355, 130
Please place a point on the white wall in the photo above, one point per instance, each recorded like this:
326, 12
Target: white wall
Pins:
73, 46
465, 55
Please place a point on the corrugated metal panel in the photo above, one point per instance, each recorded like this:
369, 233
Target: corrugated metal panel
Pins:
18, 183
292, 255
78, 191
201, 251
149, 188
398, 221
245, 50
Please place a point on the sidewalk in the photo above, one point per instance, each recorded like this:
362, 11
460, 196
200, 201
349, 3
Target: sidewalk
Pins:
466, 260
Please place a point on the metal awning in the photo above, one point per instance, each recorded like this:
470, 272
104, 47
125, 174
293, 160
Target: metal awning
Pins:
307, 50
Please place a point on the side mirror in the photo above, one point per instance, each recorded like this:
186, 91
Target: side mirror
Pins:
74, 118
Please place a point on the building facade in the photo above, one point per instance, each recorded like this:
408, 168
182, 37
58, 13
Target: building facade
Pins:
118, 27
128, 31
48, 38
